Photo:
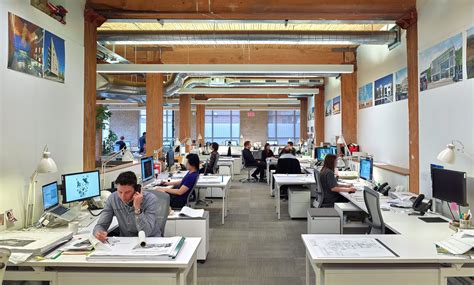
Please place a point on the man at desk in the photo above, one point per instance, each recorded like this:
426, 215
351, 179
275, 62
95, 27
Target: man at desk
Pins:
329, 183
249, 160
135, 211
290, 147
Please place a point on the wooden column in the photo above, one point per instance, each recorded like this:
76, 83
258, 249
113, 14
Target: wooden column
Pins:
154, 112
200, 122
349, 107
319, 117
185, 119
92, 20
409, 22
304, 118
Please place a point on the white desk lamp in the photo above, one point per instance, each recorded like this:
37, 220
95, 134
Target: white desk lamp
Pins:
340, 160
448, 155
177, 142
45, 165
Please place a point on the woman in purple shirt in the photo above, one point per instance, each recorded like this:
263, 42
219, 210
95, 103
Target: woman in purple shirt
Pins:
180, 192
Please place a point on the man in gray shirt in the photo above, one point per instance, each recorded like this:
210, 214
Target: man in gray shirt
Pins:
135, 211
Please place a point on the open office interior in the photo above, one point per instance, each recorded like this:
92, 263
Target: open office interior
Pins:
236, 142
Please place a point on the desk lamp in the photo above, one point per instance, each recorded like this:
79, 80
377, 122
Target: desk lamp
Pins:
45, 165
448, 154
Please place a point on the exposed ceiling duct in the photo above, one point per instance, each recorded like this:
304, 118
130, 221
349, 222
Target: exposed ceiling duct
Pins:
253, 37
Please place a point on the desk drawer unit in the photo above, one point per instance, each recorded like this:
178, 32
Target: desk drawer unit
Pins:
299, 201
113, 277
323, 221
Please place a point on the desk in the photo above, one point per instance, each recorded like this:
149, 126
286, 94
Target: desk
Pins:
418, 263
305, 162
225, 185
75, 269
290, 179
229, 164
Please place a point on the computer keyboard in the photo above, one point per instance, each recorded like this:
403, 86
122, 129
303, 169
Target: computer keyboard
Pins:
59, 210
87, 221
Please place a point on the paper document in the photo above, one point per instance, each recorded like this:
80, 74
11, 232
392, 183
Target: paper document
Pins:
459, 243
355, 247
98, 245
210, 179
18, 257
192, 213
128, 248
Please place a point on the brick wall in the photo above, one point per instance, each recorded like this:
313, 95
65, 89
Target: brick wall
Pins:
126, 123
254, 128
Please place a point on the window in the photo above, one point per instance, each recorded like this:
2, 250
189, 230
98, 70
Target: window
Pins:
283, 125
168, 125
221, 126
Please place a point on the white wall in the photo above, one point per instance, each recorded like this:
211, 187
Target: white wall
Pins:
332, 124
446, 112
383, 130
35, 112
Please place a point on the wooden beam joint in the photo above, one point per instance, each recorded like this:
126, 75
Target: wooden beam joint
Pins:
408, 19
90, 15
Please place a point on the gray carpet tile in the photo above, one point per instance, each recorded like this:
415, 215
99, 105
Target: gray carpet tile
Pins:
253, 247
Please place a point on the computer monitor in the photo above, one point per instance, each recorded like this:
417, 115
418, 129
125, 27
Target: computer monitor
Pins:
449, 185
169, 159
147, 168
80, 186
321, 153
128, 144
50, 195
366, 168
333, 149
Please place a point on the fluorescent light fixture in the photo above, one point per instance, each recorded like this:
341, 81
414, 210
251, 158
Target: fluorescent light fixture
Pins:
227, 68
288, 91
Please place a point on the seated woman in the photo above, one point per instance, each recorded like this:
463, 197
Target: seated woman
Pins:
212, 160
180, 192
329, 183
267, 152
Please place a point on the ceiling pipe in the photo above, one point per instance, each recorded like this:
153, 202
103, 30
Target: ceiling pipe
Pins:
250, 37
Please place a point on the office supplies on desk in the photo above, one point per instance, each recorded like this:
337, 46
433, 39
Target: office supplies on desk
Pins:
355, 247
127, 249
192, 213
459, 243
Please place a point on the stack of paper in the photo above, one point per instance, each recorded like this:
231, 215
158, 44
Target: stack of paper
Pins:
351, 247
459, 243
210, 179
192, 213
129, 248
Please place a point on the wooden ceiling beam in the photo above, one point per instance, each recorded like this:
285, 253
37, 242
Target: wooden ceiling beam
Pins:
254, 9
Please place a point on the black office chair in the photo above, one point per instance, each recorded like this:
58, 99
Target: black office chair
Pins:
163, 208
372, 202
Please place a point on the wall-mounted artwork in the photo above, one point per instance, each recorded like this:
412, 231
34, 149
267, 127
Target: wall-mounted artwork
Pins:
336, 105
25, 46
328, 108
366, 96
470, 53
441, 64
401, 84
54, 59
35, 51
383, 90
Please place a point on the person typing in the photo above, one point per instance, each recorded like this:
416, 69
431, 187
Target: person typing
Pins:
135, 211
329, 183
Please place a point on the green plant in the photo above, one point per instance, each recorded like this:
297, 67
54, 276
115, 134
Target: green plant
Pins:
102, 117
108, 144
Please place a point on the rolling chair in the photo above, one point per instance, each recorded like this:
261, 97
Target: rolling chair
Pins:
163, 208
215, 170
4, 256
372, 202
248, 168
319, 192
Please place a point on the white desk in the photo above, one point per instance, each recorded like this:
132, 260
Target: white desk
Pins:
227, 163
417, 263
224, 184
305, 162
289, 179
75, 269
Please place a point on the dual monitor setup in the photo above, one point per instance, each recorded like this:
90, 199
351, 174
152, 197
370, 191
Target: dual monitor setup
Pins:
366, 165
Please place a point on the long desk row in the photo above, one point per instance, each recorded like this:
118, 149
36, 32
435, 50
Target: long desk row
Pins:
416, 262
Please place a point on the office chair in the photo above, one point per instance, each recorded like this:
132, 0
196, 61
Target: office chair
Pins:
4, 256
319, 191
163, 208
248, 168
372, 202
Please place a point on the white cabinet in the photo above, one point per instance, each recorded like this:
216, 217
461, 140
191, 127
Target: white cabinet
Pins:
323, 221
299, 201
191, 227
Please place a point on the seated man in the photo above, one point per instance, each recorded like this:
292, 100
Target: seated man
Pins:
135, 211
249, 160
288, 163
181, 189
290, 147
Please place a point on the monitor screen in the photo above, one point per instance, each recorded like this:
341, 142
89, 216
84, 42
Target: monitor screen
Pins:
366, 168
449, 185
333, 149
50, 195
81, 186
321, 153
170, 159
147, 168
